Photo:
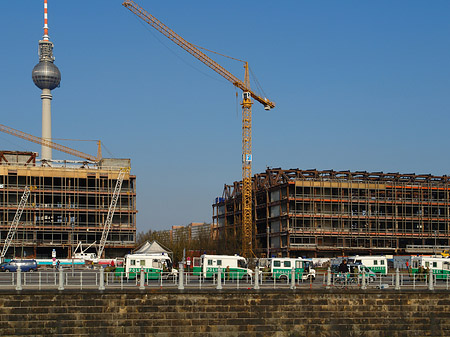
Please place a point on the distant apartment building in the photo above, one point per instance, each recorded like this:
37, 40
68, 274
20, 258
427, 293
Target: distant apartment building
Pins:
194, 230
325, 213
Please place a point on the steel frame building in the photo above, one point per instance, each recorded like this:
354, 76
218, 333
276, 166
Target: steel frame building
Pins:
326, 213
68, 204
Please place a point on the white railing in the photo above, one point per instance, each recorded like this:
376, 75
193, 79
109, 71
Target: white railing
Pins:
106, 279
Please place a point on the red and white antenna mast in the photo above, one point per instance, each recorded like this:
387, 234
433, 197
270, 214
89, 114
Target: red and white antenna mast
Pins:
45, 38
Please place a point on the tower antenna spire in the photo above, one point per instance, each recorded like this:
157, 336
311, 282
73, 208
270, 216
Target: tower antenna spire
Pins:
45, 37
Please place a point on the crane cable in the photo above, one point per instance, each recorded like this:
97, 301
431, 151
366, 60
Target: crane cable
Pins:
253, 76
237, 102
258, 86
178, 56
214, 52
255, 80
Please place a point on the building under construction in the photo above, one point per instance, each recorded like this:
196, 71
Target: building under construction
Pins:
326, 213
68, 204
51, 205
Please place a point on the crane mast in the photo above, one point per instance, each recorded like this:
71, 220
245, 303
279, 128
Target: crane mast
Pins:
111, 210
247, 194
248, 94
15, 222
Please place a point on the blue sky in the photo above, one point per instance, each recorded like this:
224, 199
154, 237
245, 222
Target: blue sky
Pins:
359, 85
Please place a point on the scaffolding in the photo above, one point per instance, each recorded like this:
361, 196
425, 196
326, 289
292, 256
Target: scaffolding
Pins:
327, 213
69, 204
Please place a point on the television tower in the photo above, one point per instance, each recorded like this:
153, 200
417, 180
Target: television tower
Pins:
46, 76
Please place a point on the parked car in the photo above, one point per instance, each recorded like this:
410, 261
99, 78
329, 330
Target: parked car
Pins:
13, 265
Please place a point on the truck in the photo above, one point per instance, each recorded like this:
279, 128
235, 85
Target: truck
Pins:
377, 264
281, 268
439, 264
155, 266
232, 266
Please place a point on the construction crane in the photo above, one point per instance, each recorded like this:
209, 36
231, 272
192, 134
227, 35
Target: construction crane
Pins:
15, 222
248, 94
48, 143
112, 209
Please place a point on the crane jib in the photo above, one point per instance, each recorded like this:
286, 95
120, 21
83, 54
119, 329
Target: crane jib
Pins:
48, 143
191, 49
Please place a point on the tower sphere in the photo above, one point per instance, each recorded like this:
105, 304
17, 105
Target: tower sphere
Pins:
46, 75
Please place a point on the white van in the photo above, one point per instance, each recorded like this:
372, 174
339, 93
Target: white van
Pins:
155, 266
281, 268
232, 266
440, 265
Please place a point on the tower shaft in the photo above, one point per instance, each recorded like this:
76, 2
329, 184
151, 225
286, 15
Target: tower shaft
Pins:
46, 97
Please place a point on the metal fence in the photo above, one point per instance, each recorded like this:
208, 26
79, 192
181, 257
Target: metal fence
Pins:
61, 279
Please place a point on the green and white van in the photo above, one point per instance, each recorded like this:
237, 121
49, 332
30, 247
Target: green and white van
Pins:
155, 266
377, 264
232, 266
440, 265
281, 268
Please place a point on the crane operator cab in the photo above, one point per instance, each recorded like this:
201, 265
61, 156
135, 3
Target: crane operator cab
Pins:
246, 95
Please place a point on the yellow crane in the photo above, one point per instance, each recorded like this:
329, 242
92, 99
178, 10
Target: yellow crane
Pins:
248, 94
55, 146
